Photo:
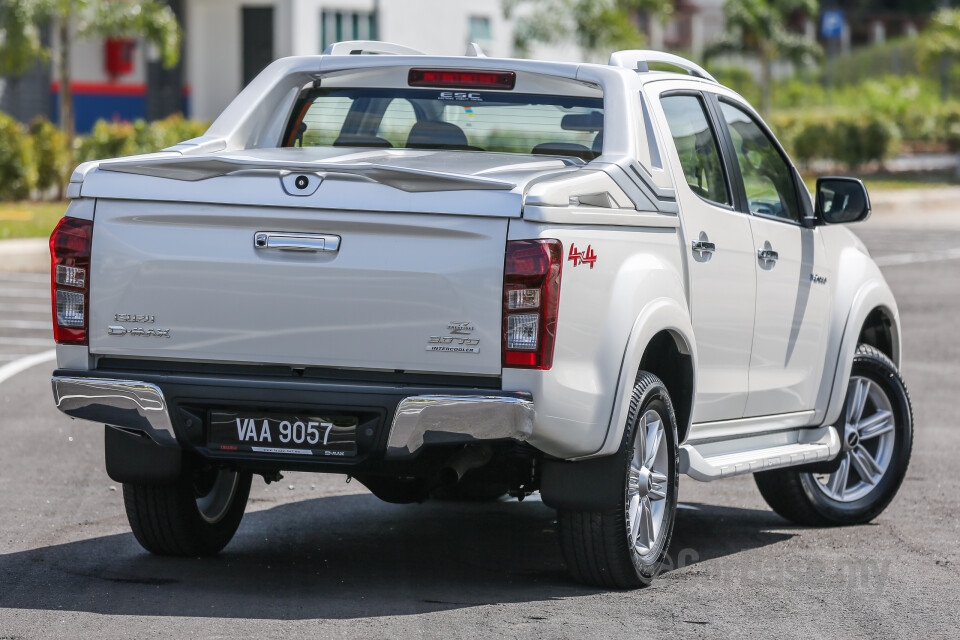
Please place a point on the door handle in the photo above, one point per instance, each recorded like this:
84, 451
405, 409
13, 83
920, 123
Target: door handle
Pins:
768, 255
282, 241
702, 246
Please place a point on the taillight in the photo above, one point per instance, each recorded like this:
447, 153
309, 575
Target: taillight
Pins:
462, 79
70, 279
531, 296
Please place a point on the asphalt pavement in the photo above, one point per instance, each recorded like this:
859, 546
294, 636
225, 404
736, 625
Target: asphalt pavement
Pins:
317, 557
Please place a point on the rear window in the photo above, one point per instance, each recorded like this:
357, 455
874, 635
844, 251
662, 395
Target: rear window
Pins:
445, 119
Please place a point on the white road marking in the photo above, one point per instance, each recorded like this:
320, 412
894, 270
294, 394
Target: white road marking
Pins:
31, 342
26, 308
25, 277
918, 257
25, 324
7, 371
25, 293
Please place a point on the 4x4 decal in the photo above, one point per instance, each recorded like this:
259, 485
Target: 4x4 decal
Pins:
582, 257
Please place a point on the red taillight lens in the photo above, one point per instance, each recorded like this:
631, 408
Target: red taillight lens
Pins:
531, 297
462, 79
70, 279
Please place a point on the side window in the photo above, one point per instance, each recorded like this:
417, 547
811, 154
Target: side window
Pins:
767, 177
697, 147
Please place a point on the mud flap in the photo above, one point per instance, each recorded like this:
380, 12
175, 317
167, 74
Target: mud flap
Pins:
134, 457
591, 485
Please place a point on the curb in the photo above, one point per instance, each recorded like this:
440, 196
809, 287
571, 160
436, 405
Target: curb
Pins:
25, 255
917, 200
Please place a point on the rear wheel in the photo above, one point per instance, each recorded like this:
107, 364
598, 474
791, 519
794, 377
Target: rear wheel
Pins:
877, 437
195, 516
624, 547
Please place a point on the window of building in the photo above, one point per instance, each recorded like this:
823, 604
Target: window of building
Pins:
480, 29
337, 26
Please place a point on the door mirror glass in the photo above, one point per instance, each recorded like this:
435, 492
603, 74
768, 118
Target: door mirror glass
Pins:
841, 200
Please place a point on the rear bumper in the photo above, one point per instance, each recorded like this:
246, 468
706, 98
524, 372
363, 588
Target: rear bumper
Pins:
398, 420
122, 403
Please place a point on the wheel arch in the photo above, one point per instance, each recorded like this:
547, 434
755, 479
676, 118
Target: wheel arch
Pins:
661, 342
880, 330
668, 357
873, 318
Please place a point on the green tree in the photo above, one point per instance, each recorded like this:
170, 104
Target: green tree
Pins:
597, 26
21, 46
760, 28
939, 45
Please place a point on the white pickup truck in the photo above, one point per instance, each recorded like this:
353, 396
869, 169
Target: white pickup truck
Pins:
465, 277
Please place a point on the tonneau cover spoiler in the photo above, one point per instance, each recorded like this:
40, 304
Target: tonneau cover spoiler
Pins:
403, 178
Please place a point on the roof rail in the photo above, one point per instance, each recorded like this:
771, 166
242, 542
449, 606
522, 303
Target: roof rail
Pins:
640, 59
359, 47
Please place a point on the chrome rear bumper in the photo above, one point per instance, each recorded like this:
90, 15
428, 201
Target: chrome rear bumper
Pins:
121, 403
439, 418
431, 419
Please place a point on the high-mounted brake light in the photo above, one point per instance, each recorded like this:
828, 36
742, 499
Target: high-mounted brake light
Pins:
462, 79
531, 297
70, 279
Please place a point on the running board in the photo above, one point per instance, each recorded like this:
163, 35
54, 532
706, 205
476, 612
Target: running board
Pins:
706, 461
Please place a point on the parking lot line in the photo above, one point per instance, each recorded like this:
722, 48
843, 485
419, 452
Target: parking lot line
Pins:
25, 324
918, 257
25, 308
25, 293
34, 342
7, 371
25, 277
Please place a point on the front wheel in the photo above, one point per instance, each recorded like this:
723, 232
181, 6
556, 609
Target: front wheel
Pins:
625, 547
195, 516
876, 434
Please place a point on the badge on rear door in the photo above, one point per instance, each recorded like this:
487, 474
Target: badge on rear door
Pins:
456, 340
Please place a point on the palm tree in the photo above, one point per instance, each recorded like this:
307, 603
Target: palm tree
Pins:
597, 26
939, 45
22, 20
760, 28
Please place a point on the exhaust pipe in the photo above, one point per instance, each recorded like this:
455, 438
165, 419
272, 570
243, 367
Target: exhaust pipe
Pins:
463, 461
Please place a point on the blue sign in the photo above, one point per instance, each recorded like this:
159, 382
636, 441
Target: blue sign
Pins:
831, 24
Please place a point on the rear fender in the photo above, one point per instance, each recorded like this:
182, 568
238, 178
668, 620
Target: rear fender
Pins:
661, 314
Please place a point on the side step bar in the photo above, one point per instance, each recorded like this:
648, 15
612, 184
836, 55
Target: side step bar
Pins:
706, 461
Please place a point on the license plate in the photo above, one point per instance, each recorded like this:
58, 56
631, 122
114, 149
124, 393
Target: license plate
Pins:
286, 434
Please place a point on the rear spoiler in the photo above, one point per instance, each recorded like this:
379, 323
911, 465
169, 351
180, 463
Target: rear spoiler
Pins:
405, 179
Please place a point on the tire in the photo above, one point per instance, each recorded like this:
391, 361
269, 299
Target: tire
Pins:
603, 548
195, 516
873, 459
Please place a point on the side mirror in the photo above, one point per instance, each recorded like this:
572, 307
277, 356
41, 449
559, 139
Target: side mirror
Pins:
841, 200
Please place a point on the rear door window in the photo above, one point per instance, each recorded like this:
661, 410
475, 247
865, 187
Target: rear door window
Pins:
697, 147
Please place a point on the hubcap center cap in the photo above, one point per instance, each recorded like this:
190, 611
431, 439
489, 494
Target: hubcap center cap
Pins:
853, 439
645, 482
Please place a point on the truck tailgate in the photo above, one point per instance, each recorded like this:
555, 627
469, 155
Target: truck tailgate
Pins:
402, 291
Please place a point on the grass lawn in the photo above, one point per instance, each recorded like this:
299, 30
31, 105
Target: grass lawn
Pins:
29, 219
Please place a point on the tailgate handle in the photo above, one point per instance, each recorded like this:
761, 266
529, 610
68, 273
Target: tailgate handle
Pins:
283, 241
